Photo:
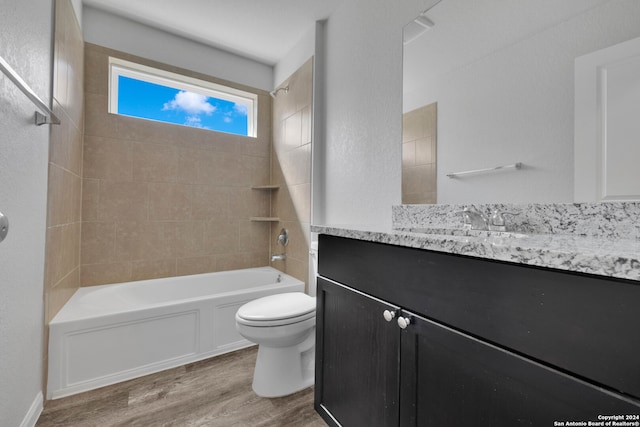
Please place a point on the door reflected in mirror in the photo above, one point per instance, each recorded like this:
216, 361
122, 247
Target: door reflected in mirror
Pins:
419, 137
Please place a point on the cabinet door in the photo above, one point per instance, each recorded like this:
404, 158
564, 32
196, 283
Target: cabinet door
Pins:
451, 379
357, 359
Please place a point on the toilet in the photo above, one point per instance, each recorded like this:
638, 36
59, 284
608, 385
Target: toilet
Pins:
283, 326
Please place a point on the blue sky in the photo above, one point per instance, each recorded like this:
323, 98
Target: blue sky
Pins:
156, 102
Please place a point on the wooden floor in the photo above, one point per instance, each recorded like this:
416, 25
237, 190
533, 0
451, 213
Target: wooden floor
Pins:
213, 392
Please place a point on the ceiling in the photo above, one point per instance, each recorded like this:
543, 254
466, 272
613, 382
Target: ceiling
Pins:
263, 30
466, 31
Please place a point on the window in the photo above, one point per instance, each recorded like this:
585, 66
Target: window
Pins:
149, 93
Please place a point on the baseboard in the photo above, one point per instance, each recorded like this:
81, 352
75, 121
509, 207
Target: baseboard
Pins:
35, 410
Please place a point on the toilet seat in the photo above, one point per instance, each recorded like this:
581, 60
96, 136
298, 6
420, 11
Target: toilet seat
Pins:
277, 310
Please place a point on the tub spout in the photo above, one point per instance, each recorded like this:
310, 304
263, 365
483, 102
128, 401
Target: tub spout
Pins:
278, 257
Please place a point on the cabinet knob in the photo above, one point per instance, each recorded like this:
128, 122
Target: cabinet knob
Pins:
403, 322
389, 315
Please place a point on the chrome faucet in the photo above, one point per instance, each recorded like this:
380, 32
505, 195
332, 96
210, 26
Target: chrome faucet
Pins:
474, 220
497, 221
282, 239
279, 257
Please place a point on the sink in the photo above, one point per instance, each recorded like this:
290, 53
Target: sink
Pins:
463, 232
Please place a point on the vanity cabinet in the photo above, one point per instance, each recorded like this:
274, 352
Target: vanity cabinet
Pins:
487, 343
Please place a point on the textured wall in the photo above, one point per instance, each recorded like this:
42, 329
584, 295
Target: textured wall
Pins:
162, 200
25, 43
361, 153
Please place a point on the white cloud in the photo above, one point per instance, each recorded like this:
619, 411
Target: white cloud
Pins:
240, 109
195, 121
191, 103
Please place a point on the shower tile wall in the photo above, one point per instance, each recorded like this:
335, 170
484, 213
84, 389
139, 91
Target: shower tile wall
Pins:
291, 170
62, 262
162, 200
419, 155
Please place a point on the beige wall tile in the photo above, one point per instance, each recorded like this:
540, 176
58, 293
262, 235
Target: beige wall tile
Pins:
143, 270
154, 163
102, 274
189, 239
301, 199
123, 201
423, 151
97, 121
409, 154
221, 236
173, 193
306, 125
211, 202
253, 236
196, 265
64, 204
90, 199
144, 240
419, 155
59, 147
243, 200
76, 148
283, 205
226, 262
108, 158
292, 131
142, 130
291, 169
98, 242
169, 201
62, 251
59, 294
96, 71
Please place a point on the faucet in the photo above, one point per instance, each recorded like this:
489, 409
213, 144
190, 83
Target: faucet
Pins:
497, 222
282, 239
473, 219
279, 257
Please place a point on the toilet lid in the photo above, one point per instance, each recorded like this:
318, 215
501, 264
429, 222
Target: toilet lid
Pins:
277, 307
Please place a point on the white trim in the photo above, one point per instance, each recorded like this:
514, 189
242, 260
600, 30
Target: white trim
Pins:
31, 417
590, 125
119, 67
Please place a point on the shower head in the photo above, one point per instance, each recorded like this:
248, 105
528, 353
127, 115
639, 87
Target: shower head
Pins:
273, 93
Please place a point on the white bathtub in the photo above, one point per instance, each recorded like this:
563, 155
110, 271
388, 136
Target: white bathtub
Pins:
111, 333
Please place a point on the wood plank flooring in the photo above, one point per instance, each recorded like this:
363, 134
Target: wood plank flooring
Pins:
215, 392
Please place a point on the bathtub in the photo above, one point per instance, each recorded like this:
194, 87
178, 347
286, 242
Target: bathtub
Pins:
111, 333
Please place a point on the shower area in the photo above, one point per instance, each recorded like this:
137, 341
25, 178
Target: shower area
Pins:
131, 199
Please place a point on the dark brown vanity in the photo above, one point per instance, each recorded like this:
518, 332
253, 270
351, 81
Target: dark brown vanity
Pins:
484, 343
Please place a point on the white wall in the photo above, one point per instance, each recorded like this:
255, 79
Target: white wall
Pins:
517, 105
362, 113
25, 43
297, 56
108, 30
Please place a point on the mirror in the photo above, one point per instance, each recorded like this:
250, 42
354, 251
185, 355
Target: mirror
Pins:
498, 76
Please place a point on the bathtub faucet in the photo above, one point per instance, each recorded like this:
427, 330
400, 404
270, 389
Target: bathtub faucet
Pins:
278, 257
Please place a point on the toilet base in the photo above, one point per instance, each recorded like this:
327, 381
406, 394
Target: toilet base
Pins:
281, 371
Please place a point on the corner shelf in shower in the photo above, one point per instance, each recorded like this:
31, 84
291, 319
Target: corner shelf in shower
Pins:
268, 187
264, 219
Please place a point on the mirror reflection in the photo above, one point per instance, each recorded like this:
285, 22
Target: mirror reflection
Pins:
499, 78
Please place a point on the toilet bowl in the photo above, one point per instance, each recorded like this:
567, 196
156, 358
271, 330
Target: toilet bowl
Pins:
283, 326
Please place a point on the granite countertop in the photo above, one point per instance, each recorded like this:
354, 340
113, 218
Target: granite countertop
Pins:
605, 256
